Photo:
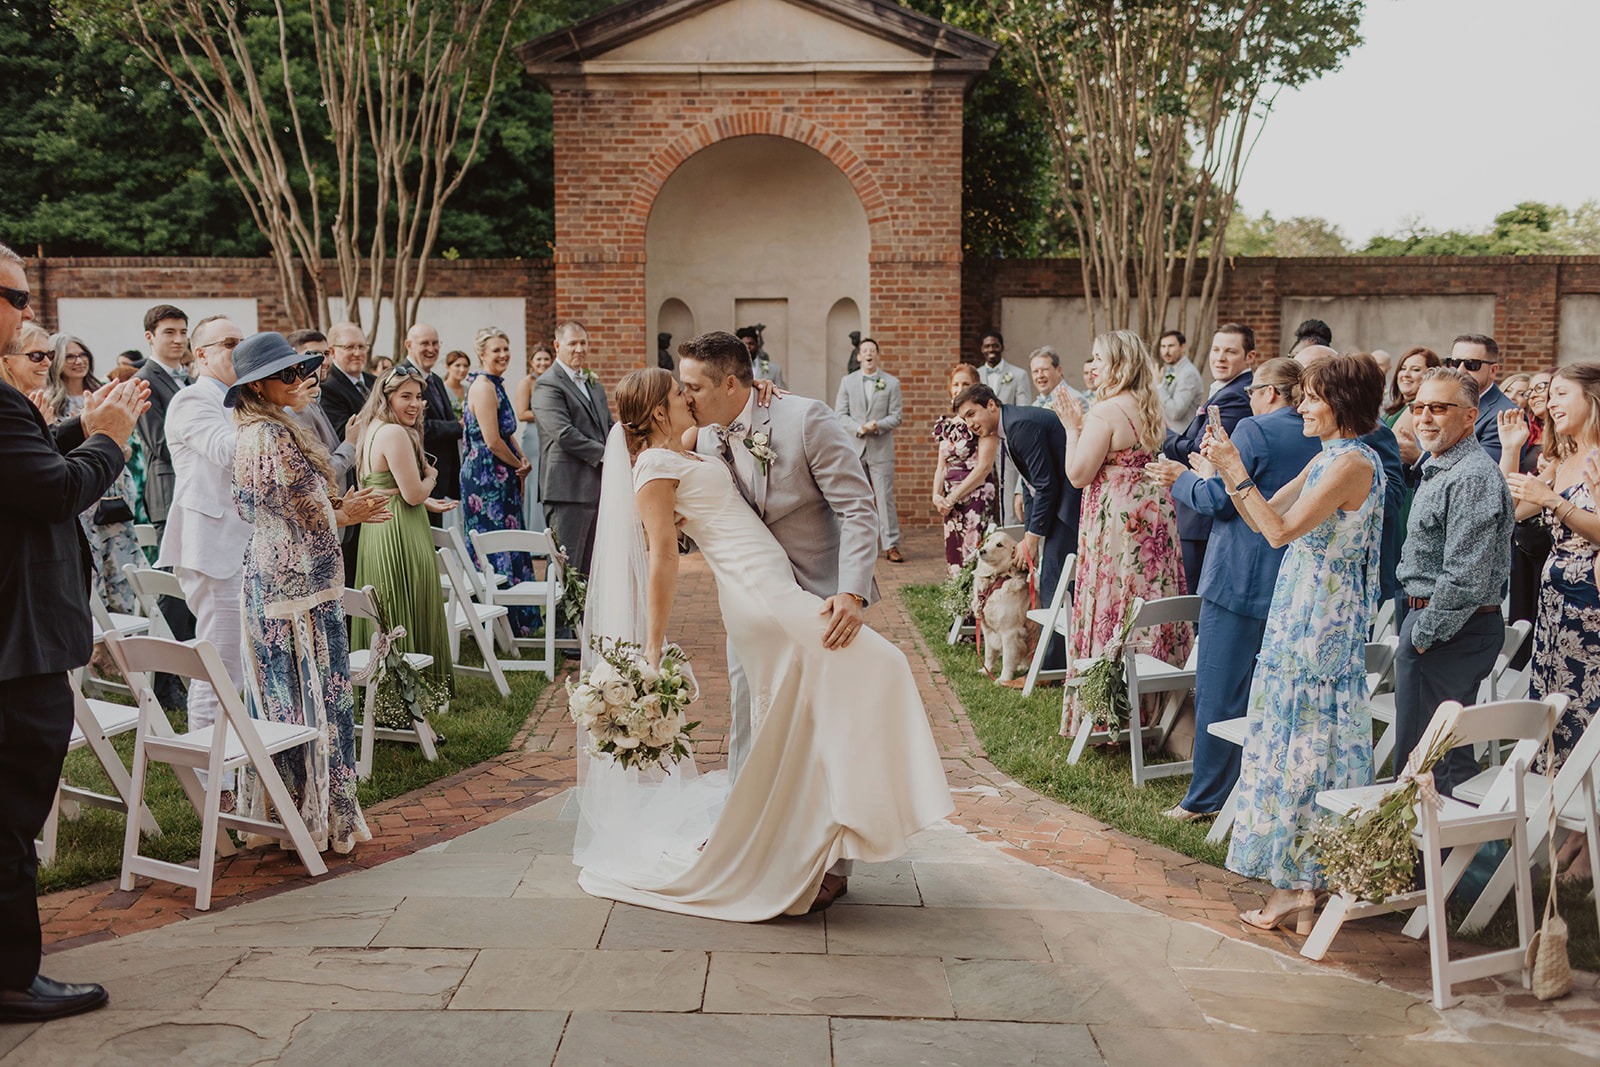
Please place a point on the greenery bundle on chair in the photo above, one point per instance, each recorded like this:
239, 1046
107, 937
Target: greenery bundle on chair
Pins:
405, 696
1103, 687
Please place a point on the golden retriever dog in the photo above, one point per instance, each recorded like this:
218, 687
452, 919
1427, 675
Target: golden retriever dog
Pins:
1000, 604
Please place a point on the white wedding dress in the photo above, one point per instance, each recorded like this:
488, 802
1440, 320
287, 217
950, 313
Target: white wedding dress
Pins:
843, 765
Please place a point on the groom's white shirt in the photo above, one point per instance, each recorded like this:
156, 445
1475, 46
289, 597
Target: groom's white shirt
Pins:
744, 464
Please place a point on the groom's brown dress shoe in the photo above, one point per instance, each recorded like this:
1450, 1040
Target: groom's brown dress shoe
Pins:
45, 1000
833, 887
895, 556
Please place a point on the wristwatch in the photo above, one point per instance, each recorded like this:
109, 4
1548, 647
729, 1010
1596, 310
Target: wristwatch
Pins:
859, 597
1242, 486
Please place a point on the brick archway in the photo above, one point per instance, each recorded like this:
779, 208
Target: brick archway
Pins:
654, 174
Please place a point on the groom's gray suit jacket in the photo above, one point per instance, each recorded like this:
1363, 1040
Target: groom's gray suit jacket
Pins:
815, 497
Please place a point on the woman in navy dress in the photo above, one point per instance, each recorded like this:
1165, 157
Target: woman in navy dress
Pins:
494, 467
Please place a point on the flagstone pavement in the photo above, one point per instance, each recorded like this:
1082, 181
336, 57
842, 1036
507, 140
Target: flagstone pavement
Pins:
1018, 932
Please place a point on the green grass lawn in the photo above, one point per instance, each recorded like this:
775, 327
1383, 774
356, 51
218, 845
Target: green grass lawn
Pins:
1021, 737
479, 725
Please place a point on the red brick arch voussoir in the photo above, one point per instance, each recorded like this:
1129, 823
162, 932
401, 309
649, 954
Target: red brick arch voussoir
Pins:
745, 124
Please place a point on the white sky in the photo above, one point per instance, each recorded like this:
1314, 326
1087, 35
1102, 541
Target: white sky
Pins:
1453, 110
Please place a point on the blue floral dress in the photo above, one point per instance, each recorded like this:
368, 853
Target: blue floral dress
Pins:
1566, 635
113, 546
294, 577
1309, 726
491, 495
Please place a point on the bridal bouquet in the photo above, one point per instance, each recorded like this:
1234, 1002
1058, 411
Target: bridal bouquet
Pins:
632, 712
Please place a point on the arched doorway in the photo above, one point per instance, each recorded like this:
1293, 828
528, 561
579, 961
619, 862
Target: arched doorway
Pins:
767, 229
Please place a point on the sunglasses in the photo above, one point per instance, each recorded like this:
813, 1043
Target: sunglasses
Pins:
290, 375
1436, 408
1473, 365
37, 357
230, 343
17, 298
1257, 388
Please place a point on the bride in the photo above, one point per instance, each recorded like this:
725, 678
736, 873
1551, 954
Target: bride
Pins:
843, 765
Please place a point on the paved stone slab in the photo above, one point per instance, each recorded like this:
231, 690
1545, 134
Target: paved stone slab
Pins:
1311, 1004
14, 1034
662, 1040
639, 928
975, 933
545, 837
883, 883
433, 874
1135, 992
1401, 1052
883, 1043
144, 974
425, 1039
1132, 1046
1114, 938
578, 980
1007, 883
289, 920
826, 985
112, 1036
352, 979
478, 922
947, 842
551, 876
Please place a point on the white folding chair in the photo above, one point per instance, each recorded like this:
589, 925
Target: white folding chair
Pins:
1571, 794
1147, 675
1383, 620
95, 723
542, 593
149, 586
111, 622
147, 536
1380, 669
1454, 826
466, 615
450, 539
1052, 619
360, 604
234, 740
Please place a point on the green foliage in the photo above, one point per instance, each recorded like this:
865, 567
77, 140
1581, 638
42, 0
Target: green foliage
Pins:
1530, 228
1302, 235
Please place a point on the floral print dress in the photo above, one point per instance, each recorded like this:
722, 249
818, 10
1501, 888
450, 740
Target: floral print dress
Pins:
1566, 634
964, 526
295, 630
113, 545
1127, 548
491, 496
1309, 728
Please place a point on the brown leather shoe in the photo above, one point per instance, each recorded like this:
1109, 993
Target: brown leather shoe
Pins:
895, 556
833, 887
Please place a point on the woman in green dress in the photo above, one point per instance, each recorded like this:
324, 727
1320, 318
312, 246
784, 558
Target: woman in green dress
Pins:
396, 558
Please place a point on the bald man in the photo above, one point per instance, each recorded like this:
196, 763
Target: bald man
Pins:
441, 430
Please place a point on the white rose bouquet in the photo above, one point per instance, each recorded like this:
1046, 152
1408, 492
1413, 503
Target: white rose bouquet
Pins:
632, 712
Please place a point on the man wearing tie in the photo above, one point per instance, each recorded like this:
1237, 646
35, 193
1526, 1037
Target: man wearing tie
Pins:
870, 407
343, 392
441, 430
569, 405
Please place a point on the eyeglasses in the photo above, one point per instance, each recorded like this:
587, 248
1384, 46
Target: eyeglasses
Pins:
290, 375
38, 357
1542, 387
1436, 408
1473, 365
358, 347
230, 343
17, 298
77, 355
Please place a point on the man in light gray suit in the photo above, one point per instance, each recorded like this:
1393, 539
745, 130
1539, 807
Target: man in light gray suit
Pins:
794, 464
870, 408
569, 405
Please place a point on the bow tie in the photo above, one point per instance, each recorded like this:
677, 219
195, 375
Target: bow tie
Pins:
735, 429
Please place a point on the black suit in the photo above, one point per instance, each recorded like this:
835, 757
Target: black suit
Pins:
1036, 446
441, 438
44, 615
340, 402
158, 473
1233, 404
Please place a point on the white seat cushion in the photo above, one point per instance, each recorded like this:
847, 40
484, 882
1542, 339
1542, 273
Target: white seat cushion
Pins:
275, 737
524, 592
358, 660
126, 625
1230, 730
114, 719
486, 612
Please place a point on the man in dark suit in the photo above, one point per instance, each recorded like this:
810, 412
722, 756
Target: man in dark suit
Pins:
1034, 445
343, 392
166, 332
1479, 355
44, 614
441, 430
569, 405
1233, 353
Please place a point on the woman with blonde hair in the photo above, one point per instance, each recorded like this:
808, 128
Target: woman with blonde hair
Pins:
1128, 537
493, 469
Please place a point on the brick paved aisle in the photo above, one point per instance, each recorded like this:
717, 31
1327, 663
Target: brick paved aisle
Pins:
1033, 933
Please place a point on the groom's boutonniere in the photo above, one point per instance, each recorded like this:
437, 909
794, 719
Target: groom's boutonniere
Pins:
758, 445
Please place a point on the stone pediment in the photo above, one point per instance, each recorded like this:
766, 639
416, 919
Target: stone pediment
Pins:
735, 36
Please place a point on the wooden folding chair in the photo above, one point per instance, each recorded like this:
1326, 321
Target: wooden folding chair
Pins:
1455, 826
234, 740
361, 604
466, 615
95, 723
542, 593
1052, 619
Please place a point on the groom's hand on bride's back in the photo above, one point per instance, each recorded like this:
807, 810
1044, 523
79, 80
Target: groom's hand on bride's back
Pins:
846, 614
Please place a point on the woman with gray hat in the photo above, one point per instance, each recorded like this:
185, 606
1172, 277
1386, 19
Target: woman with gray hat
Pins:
294, 573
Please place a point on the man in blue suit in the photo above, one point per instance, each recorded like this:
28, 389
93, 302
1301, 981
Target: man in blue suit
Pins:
1233, 352
1034, 445
1479, 356
1240, 572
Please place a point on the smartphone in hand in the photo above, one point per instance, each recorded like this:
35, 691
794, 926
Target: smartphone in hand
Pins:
1214, 420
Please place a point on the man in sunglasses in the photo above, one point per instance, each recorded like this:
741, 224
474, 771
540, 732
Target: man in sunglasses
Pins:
205, 539
45, 483
1478, 356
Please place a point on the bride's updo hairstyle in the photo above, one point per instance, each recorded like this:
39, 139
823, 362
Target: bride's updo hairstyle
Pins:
640, 395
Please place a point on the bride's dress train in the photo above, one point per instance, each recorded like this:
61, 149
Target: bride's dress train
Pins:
843, 765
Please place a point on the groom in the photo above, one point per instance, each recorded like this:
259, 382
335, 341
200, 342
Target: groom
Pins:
795, 466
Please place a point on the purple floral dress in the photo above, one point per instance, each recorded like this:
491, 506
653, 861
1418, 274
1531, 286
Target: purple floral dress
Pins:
491, 495
964, 526
294, 578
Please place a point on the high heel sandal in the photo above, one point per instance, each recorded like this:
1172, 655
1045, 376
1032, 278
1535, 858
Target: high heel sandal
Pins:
1300, 912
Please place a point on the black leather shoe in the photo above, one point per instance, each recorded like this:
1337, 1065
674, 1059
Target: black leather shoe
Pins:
45, 1000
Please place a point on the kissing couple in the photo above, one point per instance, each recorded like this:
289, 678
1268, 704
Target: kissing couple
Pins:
831, 758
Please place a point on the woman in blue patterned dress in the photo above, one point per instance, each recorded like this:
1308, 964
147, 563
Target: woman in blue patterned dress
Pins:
494, 467
294, 571
1309, 728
